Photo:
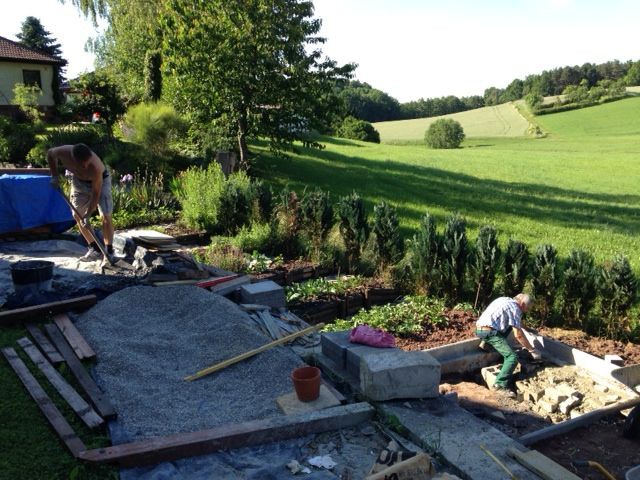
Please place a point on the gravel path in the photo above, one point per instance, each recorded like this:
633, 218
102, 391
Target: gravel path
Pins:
148, 338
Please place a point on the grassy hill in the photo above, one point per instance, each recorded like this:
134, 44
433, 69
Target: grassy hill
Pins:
576, 188
497, 121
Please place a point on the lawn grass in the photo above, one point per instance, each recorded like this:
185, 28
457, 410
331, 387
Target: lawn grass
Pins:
496, 121
576, 188
29, 448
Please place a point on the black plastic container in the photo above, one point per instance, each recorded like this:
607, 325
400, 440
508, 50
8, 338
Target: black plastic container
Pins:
32, 272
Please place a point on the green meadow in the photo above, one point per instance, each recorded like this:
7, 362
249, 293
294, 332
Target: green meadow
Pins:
577, 188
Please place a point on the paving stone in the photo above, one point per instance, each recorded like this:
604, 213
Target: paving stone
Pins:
335, 345
264, 293
391, 373
547, 406
615, 359
569, 404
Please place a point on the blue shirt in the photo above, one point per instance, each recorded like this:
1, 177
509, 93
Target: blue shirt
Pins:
502, 313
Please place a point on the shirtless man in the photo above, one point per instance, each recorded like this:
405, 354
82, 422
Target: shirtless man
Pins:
90, 188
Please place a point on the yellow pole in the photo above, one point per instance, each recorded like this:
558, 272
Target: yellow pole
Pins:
251, 353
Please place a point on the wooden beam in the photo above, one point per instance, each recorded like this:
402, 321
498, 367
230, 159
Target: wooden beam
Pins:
581, 421
46, 309
44, 343
251, 353
541, 465
99, 399
74, 337
256, 432
75, 401
53, 415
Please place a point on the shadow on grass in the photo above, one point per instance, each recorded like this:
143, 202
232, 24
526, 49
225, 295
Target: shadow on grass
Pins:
405, 185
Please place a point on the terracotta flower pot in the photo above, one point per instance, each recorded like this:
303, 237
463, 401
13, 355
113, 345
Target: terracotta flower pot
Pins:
306, 381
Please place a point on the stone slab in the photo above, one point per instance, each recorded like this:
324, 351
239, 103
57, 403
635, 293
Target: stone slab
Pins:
335, 345
443, 426
265, 293
290, 404
391, 373
464, 356
356, 352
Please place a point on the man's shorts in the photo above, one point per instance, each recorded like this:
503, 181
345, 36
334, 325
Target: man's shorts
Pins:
81, 195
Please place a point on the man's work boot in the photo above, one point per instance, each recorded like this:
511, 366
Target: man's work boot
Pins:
91, 256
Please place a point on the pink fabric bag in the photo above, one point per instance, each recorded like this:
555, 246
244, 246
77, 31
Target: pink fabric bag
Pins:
373, 337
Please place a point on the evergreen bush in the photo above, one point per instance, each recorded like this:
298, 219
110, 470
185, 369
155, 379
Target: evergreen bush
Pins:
579, 293
285, 224
355, 129
423, 251
316, 215
200, 195
16, 140
545, 280
235, 203
516, 267
353, 227
453, 258
484, 264
261, 202
618, 286
388, 244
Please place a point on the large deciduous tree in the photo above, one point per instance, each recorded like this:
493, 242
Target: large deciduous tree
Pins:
255, 63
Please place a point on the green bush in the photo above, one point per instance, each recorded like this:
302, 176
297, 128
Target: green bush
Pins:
316, 215
254, 237
484, 264
200, 196
16, 140
261, 202
423, 251
516, 267
235, 203
580, 290
453, 258
154, 126
286, 224
386, 233
545, 281
618, 287
92, 135
355, 129
353, 227
444, 133
124, 157
222, 254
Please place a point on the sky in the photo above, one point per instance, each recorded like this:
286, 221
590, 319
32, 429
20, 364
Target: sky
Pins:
415, 49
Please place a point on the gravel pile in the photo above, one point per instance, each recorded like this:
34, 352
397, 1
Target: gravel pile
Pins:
148, 338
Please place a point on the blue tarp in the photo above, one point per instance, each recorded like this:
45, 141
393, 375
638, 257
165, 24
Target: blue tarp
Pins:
29, 201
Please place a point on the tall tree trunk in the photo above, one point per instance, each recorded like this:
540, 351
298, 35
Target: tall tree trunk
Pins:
242, 142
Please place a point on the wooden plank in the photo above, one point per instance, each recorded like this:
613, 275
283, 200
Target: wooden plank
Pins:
581, 421
98, 399
251, 353
44, 343
50, 411
230, 285
256, 432
66, 391
46, 309
74, 337
542, 466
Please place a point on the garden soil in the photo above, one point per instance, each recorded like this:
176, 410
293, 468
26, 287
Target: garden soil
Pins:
594, 443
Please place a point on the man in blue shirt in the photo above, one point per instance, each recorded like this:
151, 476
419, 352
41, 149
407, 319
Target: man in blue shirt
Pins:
495, 324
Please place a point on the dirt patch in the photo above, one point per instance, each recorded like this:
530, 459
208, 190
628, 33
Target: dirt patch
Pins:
515, 418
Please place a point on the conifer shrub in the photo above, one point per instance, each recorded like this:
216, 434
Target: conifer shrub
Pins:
388, 243
516, 267
484, 264
235, 203
545, 281
316, 215
424, 255
200, 196
453, 258
354, 229
617, 286
286, 224
580, 290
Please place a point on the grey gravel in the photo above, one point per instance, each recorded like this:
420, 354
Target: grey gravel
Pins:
147, 339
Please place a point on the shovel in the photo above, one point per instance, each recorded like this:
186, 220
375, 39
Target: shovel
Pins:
89, 229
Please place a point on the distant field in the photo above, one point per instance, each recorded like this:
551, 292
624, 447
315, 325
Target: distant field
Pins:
498, 121
576, 188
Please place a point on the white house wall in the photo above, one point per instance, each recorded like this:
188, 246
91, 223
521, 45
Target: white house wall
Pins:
11, 73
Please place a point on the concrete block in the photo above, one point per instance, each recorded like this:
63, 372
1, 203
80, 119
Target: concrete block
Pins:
265, 293
123, 245
334, 346
393, 373
615, 359
555, 395
534, 394
547, 406
354, 354
489, 375
568, 405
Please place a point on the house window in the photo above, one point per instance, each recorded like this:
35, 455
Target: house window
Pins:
31, 77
